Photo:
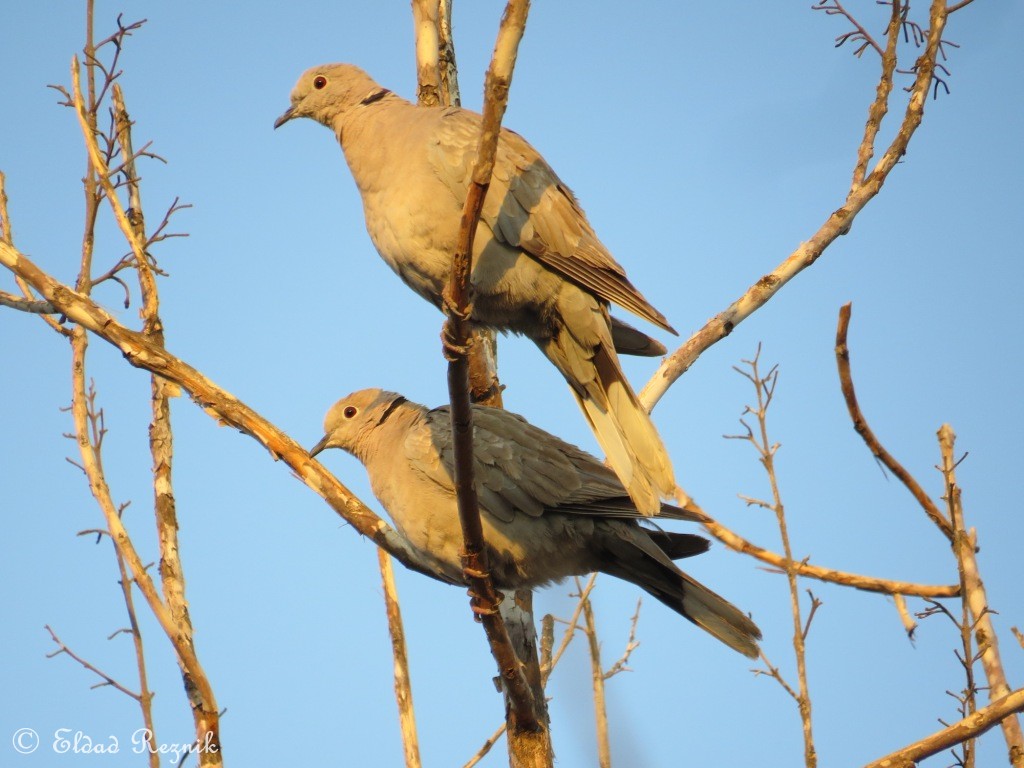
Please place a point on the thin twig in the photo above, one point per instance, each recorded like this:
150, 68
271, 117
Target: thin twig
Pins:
604, 753
621, 664
572, 625
487, 745
774, 673
107, 679
145, 695
815, 605
859, 34
880, 106
764, 388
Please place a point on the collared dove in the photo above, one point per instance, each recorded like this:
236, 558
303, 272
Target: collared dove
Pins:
539, 269
549, 510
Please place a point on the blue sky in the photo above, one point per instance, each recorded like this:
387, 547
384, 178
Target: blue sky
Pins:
705, 142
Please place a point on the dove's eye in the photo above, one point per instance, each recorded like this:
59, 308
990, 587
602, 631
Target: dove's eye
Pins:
350, 412
319, 82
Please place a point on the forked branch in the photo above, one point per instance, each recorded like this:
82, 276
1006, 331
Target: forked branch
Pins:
836, 224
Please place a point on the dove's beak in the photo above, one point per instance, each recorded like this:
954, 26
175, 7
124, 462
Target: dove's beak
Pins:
288, 115
323, 443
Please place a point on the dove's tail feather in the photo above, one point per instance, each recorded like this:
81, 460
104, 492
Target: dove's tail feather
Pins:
630, 341
642, 561
626, 433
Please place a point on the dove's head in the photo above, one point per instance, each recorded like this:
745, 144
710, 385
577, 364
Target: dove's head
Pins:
351, 421
329, 90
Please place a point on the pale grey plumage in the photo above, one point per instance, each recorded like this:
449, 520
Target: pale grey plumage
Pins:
549, 510
539, 268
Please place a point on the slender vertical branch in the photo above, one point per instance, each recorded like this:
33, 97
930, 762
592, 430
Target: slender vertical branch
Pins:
448, 69
161, 437
403, 685
974, 595
132, 225
145, 695
426, 31
764, 387
604, 752
438, 81
457, 334
880, 106
438, 84
207, 719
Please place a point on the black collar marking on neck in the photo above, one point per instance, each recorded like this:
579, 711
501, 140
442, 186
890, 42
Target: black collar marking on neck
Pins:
390, 409
375, 96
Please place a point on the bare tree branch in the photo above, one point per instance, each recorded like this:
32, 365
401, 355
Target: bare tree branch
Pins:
487, 746
868, 583
837, 223
880, 106
207, 719
970, 727
764, 388
974, 594
33, 306
107, 679
448, 69
457, 300
428, 47
860, 425
773, 672
222, 406
403, 686
145, 695
604, 751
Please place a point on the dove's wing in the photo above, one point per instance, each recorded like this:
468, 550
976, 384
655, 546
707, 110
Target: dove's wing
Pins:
528, 206
520, 467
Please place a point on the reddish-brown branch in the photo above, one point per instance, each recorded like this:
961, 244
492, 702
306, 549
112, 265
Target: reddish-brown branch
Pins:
523, 710
860, 424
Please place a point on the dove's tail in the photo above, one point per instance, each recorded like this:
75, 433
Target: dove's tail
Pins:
643, 560
626, 432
